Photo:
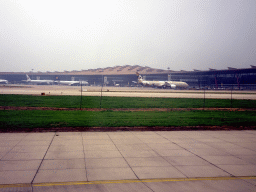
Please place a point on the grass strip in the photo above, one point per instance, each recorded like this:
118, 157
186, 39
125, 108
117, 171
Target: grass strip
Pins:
119, 102
44, 119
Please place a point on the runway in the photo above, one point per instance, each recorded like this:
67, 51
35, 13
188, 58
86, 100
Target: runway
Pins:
126, 92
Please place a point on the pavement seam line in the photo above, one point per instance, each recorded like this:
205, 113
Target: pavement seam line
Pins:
12, 148
165, 159
42, 160
128, 181
133, 170
84, 156
227, 152
128, 163
200, 157
161, 155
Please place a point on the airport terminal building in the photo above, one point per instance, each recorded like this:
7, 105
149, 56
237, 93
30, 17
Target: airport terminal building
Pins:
231, 78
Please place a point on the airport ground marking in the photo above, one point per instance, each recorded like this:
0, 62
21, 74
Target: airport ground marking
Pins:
15, 185
125, 181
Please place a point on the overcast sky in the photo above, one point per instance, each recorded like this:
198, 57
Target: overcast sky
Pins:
53, 35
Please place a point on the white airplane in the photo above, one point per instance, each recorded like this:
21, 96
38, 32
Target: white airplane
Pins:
38, 81
3, 81
162, 84
72, 82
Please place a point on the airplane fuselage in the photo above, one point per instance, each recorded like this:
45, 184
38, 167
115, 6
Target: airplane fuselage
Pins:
3, 81
72, 82
38, 81
55, 82
162, 84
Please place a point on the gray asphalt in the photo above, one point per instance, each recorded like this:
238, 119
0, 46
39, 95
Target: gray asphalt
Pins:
128, 161
125, 92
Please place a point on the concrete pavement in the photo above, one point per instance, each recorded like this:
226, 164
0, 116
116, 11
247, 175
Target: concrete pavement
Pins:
128, 161
126, 92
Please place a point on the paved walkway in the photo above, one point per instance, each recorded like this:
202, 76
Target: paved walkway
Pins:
139, 160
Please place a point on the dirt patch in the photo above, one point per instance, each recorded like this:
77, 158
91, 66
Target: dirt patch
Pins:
112, 129
125, 109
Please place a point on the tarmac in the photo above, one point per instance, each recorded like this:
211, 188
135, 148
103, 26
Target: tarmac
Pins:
125, 92
128, 161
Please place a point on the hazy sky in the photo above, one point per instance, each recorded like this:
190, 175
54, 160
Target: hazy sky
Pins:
53, 35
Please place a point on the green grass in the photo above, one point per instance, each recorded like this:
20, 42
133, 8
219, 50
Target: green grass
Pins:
119, 102
44, 119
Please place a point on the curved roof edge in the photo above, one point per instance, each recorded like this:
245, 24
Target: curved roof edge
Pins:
123, 70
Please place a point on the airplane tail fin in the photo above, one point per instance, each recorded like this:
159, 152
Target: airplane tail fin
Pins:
28, 78
139, 76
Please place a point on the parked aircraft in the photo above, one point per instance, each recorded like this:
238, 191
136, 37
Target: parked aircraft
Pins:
3, 81
72, 82
38, 81
162, 84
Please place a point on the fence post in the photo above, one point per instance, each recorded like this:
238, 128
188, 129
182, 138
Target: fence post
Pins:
204, 96
231, 97
81, 97
100, 97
